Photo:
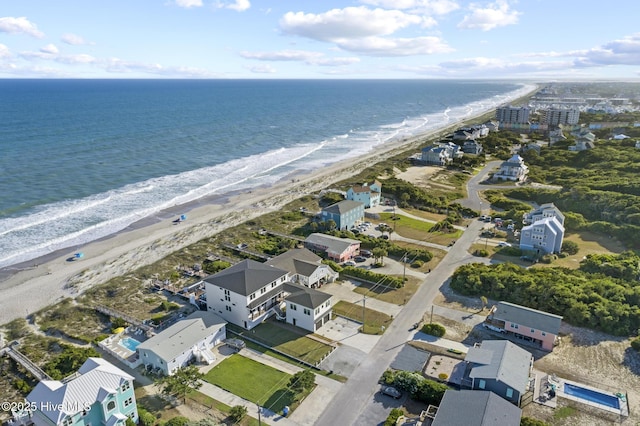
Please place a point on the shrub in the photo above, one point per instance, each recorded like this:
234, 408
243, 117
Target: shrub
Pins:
434, 329
237, 413
146, 418
177, 421
570, 247
528, 421
393, 417
635, 343
443, 376
417, 264
481, 253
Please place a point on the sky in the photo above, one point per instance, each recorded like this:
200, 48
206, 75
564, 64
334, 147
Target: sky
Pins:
538, 40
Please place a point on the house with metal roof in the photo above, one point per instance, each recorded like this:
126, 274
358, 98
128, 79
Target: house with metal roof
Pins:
189, 338
346, 213
368, 194
543, 211
475, 408
334, 248
536, 327
498, 366
304, 267
98, 394
306, 307
543, 236
246, 293
513, 170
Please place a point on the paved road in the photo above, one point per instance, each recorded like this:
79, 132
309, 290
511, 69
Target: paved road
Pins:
358, 402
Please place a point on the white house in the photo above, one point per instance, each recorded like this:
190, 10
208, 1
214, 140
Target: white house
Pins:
98, 394
307, 308
542, 236
189, 338
513, 169
304, 267
369, 195
246, 293
544, 210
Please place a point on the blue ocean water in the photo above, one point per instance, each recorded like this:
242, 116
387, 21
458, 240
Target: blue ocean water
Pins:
82, 159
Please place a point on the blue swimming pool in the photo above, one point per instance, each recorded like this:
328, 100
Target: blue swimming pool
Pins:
129, 343
592, 396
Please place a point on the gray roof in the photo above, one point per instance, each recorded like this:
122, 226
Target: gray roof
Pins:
528, 317
333, 244
410, 358
183, 335
476, 408
245, 277
343, 207
297, 261
500, 360
305, 296
98, 378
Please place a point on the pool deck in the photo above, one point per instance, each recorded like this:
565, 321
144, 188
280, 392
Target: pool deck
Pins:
112, 343
560, 382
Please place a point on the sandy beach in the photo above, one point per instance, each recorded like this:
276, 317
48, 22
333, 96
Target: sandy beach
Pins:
55, 277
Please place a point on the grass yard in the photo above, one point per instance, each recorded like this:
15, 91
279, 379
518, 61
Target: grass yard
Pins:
589, 243
397, 296
438, 255
436, 217
374, 320
418, 230
290, 342
253, 381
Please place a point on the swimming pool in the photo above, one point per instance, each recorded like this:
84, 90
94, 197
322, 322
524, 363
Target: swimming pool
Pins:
129, 343
592, 396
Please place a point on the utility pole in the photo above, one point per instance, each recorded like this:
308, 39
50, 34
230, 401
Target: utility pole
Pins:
431, 319
364, 299
259, 419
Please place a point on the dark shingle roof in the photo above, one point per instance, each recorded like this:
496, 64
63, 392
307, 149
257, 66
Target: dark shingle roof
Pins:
305, 296
529, 317
343, 207
500, 360
476, 408
298, 261
245, 277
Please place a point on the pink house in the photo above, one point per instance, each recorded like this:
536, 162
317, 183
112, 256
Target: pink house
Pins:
533, 326
334, 248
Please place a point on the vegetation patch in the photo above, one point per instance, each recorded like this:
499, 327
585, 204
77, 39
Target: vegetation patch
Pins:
375, 322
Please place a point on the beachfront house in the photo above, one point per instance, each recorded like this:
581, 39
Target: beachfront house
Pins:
498, 366
513, 170
436, 155
98, 394
536, 327
305, 307
369, 195
543, 211
246, 293
475, 408
472, 147
333, 248
304, 267
188, 339
543, 236
346, 214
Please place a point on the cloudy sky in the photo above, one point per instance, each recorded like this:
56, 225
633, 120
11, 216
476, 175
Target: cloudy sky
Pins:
524, 39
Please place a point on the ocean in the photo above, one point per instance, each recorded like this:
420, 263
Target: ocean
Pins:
83, 159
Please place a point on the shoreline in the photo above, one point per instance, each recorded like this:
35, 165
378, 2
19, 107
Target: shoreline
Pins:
48, 279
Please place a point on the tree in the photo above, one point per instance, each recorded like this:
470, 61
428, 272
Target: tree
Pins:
302, 380
331, 224
145, 418
484, 301
237, 413
378, 254
183, 381
570, 247
177, 421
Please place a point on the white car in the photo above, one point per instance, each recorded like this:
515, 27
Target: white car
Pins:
503, 244
349, 263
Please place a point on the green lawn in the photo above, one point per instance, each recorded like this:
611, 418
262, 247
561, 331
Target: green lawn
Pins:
291, 343
253, 381
374, 320
397, 296
418, 229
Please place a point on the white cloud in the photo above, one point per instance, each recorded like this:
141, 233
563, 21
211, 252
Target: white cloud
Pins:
379, 46
76, 59
434, 7
347, 23
262, 69
625, 51
4, 51
49, 49
187, 4
492, 16
19, 26
237, 5
73, 39
310, 58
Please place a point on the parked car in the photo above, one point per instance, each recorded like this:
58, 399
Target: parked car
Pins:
384, 236
360, 259
391, 391
503, 244
366, 253
349, 263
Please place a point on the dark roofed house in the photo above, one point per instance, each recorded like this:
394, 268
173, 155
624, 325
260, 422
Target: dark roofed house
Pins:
304, 267
475, 408
334, 248
306, 307
498, 366
345, 213
538, 327
246, 293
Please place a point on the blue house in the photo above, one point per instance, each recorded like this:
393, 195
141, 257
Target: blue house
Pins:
98, 394
370, 195
346, 214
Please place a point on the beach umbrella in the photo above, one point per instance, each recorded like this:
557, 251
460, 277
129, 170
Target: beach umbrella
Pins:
79, 255
183, 217
118, 330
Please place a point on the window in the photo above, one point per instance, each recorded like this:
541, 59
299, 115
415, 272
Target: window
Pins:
307, 312
514, 326
263, 290
228, 308
253, 296
509, 393
68, 422
533, 330
293, 307
125, 386
227, 295
543, 333
111, 405
128, 402
482, 384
